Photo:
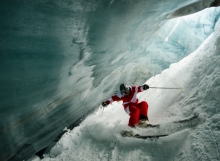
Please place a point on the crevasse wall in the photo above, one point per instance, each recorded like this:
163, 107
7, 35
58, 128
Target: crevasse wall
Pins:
60, 59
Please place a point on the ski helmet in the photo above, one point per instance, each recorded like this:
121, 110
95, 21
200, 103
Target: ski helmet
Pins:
124, 89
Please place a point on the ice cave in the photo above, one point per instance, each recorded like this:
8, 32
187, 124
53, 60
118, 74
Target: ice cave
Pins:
61, 58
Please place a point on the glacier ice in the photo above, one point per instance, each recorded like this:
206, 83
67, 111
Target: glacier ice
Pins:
59, 60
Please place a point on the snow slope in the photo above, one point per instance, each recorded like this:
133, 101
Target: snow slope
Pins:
98, 136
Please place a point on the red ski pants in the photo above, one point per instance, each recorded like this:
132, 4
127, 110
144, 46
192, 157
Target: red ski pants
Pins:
135, 111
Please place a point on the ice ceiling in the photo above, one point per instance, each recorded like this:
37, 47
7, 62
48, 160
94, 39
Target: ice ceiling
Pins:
60, 59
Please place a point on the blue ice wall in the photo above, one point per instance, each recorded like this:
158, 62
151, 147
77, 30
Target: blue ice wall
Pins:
60, 59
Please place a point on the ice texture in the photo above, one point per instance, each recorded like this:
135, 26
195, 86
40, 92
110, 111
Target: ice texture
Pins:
61, 59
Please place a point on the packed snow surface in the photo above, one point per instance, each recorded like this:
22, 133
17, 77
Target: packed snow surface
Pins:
98, 136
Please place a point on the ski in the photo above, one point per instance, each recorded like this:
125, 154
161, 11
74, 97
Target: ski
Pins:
188, 119
130, 134
195, 116
149, 136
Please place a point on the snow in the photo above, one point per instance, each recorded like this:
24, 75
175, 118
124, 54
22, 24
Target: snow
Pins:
98, 136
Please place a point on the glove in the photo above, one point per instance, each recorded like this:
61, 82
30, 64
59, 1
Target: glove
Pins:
105, 104
145, 87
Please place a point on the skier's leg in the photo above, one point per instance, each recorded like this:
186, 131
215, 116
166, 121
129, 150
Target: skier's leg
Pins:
143, 106
134, 116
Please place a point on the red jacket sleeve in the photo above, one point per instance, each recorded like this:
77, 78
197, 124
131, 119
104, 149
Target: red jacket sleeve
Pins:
114, 98
140, 89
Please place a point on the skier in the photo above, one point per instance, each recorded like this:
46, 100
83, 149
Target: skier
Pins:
138, 111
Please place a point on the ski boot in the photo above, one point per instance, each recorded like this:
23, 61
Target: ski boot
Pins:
142, 123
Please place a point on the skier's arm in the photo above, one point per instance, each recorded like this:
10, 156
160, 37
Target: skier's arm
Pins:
112, 99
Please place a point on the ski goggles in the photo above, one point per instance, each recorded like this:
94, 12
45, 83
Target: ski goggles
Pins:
125, 92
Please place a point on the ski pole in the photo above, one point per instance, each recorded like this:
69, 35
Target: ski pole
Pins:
166, 87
